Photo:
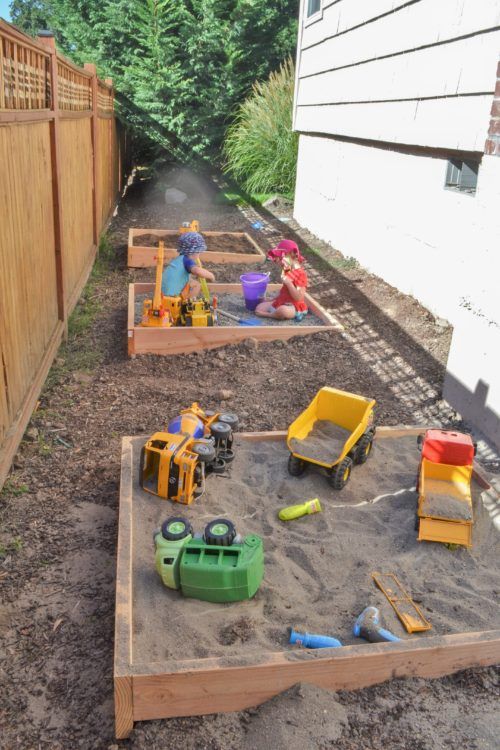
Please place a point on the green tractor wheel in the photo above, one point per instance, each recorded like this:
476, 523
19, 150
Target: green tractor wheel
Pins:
176, 528
220, 531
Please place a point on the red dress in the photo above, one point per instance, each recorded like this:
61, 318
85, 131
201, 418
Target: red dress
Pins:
299, 278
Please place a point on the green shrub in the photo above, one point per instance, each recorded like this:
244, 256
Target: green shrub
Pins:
260, 148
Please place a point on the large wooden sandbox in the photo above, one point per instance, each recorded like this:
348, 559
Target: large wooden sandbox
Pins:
182, 657
223, 247
179, 340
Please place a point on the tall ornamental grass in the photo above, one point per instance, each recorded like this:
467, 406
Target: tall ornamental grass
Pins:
260, 148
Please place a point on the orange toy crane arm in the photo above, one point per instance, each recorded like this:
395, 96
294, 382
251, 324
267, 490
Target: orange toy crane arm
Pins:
159, 272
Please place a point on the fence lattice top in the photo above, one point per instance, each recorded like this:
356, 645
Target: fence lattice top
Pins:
24, 75
26, 79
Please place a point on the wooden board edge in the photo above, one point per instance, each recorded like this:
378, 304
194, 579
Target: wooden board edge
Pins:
321, 313
124, 709
16, 430
196, 692
253, 242
123, 646
143, 257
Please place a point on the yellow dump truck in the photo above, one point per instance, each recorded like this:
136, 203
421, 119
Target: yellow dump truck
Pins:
334, 432
444, 504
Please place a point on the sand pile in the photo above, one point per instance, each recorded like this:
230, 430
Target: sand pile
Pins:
324, 443
318, 568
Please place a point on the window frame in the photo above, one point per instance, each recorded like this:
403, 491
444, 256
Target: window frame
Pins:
314, 17
458, 165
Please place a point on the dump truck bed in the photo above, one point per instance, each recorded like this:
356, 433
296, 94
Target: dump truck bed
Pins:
445, 503
330, 426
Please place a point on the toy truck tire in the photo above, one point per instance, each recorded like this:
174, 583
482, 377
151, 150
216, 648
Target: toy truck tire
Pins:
220, 531
176, 528
228, 418
296, 466
220, 431
340, 474
363, 448
204, 451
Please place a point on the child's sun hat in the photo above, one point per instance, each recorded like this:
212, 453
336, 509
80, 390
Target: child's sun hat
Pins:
191, 243
285, 247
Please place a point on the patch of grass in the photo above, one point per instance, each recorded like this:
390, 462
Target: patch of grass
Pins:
14, 488
79, 354
342, 263
15, 545
44, 447
239, 197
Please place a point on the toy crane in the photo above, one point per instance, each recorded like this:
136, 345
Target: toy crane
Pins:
154, 312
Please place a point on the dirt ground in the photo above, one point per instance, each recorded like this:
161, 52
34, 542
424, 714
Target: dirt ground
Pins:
58, 511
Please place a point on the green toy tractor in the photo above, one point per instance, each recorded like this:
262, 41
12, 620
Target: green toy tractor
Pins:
218, 566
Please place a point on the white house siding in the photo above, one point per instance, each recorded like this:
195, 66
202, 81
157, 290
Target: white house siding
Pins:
376, 135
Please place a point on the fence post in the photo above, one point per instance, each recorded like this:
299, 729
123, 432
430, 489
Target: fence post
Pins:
95, 140
47, 39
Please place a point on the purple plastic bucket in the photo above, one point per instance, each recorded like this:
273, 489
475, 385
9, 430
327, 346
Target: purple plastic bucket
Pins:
254, 288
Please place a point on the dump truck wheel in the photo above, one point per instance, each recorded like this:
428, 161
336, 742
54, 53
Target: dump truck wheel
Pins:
204, 451
363, 448
296, 466
175, 528
228, 418
340, 474
227, 456
220, 531
218, 466
220, 431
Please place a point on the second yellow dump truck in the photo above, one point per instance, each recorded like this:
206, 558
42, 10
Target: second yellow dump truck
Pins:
445, 504
334, 432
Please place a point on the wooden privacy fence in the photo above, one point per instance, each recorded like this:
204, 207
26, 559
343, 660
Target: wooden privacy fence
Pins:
61, 168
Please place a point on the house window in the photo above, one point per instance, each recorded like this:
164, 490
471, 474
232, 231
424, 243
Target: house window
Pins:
462, 175
313, 6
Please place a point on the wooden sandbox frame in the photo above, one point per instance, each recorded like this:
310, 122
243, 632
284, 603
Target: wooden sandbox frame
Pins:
143, 257
182, 340
212, 685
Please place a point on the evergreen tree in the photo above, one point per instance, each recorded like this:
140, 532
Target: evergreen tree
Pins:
180, 67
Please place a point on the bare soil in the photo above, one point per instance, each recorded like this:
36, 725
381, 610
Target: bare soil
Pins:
225, 243
58, 511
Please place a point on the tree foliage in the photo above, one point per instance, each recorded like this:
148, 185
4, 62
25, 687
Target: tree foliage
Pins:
180, 67
260, 147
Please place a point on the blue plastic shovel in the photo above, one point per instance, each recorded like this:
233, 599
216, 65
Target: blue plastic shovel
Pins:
240, 321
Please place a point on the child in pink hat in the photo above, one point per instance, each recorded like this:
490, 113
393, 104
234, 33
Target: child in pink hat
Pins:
289, 304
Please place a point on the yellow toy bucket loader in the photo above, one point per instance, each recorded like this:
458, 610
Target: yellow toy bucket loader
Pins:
334, 432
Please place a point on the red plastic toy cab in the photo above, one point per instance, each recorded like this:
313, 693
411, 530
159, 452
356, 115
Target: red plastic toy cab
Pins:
448, 447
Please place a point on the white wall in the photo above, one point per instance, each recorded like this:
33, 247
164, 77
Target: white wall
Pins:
391, 212
375, 69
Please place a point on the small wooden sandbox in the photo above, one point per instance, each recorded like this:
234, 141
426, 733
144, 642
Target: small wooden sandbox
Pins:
179, 340
223, 247
176, 656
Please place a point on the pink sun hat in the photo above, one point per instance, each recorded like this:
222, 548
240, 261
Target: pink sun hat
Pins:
285, 247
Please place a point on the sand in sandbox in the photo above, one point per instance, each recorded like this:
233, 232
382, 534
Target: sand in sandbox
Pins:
324, 443
445, 506
235, 304
317, 568
224, 243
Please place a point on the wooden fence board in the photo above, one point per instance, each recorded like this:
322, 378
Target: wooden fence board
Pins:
47, 238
